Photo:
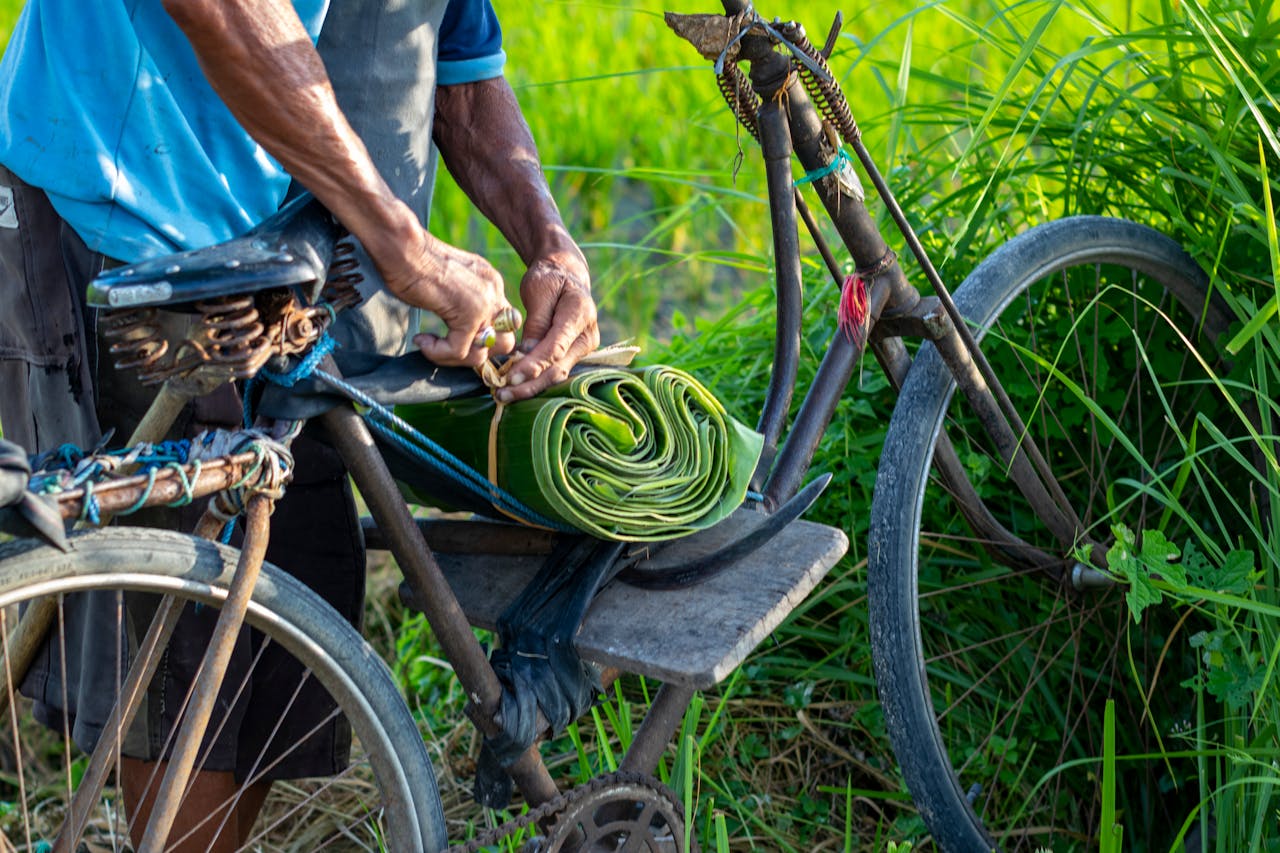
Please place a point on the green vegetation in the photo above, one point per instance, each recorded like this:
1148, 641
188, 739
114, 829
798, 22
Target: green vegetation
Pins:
987, 118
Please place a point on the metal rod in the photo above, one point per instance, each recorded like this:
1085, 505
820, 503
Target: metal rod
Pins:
659, 725
849, 214
146, 660
811, 225
1015, 423
1012, 446
819, 405
213, 669
213, 476
775, 140
1006, 548
351, 437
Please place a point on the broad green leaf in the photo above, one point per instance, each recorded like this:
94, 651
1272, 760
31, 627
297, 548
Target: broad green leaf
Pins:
636, 455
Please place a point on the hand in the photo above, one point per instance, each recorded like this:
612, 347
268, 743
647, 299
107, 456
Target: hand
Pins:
561, 325
464, 291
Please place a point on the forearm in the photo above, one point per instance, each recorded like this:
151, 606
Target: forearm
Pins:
261, 62
488, 148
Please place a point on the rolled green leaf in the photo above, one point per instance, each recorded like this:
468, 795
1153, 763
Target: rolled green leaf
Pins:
631, 454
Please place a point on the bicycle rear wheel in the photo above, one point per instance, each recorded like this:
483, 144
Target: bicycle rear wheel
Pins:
994, 672
384, 798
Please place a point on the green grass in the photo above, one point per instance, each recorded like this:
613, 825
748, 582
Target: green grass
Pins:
986, 117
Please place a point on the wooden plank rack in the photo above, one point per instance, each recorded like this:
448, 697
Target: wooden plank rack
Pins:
692, 637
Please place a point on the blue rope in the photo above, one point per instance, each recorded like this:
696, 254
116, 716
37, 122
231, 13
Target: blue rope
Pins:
323, 346
90, 511
227, 530
839, 160
395, 429
302, 370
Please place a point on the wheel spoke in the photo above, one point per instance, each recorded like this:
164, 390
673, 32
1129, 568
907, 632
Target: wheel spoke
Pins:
324, 675
998, 678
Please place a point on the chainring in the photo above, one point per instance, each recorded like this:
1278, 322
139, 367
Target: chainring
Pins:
616, 811
632, 813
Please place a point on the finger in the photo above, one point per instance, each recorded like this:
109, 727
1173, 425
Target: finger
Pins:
452, 350
486, 338
532, 383
504, 344
575, 323
539, 322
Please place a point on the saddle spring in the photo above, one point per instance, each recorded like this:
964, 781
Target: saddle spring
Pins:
136, 340
340, 286
235, 334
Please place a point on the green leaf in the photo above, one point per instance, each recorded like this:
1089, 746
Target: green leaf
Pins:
1136, 567
643, 454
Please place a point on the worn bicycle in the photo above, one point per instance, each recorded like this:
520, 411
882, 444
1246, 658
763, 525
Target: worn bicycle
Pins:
1083, 354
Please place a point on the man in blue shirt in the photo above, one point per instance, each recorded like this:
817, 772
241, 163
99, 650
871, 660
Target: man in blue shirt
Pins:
134, 128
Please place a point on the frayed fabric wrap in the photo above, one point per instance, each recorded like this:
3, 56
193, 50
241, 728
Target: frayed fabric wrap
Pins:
636, 454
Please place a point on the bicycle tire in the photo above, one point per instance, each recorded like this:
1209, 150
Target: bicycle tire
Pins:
403, 812
973, 704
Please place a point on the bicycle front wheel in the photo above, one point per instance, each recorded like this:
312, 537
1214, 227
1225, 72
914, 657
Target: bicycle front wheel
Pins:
994, 666
102, 595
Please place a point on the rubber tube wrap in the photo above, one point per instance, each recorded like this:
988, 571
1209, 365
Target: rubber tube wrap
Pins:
536, 662
644, 454
38, 515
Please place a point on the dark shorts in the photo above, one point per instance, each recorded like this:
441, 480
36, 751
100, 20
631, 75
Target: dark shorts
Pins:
55, 388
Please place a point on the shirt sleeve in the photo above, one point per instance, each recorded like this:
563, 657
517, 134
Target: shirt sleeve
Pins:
470, 43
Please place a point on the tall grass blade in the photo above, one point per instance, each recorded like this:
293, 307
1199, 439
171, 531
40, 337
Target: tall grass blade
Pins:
1267, 311
1108, 835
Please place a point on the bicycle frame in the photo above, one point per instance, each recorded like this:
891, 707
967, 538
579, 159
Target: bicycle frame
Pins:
788, 124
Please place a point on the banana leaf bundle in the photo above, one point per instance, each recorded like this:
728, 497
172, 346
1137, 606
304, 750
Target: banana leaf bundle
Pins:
641, 454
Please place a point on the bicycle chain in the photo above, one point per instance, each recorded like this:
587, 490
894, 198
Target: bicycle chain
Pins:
559, 803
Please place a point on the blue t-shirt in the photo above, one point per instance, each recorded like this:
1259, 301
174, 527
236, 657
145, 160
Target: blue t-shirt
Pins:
103, 105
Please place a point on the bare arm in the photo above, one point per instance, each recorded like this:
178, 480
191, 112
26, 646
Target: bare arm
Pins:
261, 62
490, 152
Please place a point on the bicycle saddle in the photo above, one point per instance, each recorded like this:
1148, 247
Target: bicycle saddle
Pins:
291, 248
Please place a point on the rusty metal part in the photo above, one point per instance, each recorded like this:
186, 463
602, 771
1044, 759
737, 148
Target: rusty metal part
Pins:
341, 284
211, 476
660, 723
631, 814
226, 339
234, 334
591, 816
136, 339
212, 670
710, 35
826, 93
740, 97
354, 443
